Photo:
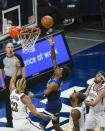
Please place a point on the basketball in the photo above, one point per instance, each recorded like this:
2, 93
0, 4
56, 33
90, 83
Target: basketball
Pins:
47, 21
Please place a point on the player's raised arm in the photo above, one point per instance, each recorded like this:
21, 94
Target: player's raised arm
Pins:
87, 91
53, 55
13, 79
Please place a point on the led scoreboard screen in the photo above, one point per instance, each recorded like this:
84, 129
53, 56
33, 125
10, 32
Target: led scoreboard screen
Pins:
40, 60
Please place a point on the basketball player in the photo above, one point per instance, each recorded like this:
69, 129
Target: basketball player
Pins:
96, 100
52, 92
8, 66
78, 111
19, 104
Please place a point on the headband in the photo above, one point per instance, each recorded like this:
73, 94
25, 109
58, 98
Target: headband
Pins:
102, 76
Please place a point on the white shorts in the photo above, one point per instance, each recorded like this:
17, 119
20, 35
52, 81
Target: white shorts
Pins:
26, 125
94, 119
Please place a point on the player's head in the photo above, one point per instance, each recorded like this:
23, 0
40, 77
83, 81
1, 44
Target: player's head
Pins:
100, 77
9, 48
77, 97
21, 85
63, 73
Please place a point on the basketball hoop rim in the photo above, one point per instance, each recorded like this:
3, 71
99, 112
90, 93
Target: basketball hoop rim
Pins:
15, 32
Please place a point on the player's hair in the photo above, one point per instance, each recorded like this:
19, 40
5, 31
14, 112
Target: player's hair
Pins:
81, 97
102, 73
9, 43
65, 73
20, 85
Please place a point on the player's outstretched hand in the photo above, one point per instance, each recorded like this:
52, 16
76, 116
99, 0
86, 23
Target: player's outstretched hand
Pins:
30, 94
54, 118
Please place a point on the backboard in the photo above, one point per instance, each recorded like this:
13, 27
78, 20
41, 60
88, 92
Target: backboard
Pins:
19, 13
7, 19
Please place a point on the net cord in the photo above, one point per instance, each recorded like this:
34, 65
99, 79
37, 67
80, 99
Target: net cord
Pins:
28, 42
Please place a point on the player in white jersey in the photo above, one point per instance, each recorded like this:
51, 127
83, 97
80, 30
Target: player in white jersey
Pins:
96, 100
19, 104
78, 111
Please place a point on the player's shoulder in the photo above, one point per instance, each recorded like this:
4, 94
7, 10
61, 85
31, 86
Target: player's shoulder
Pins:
75, 113
25, 99
12, 91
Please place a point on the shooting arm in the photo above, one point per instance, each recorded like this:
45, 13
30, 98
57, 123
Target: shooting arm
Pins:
53, 55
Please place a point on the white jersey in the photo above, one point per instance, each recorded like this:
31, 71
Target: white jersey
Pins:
21, 121
82, 110
100, 107
19, 110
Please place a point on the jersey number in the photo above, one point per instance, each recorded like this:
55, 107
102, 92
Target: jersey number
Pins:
14, 106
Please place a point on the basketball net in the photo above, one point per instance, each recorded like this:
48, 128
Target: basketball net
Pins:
27, 37
28, 42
